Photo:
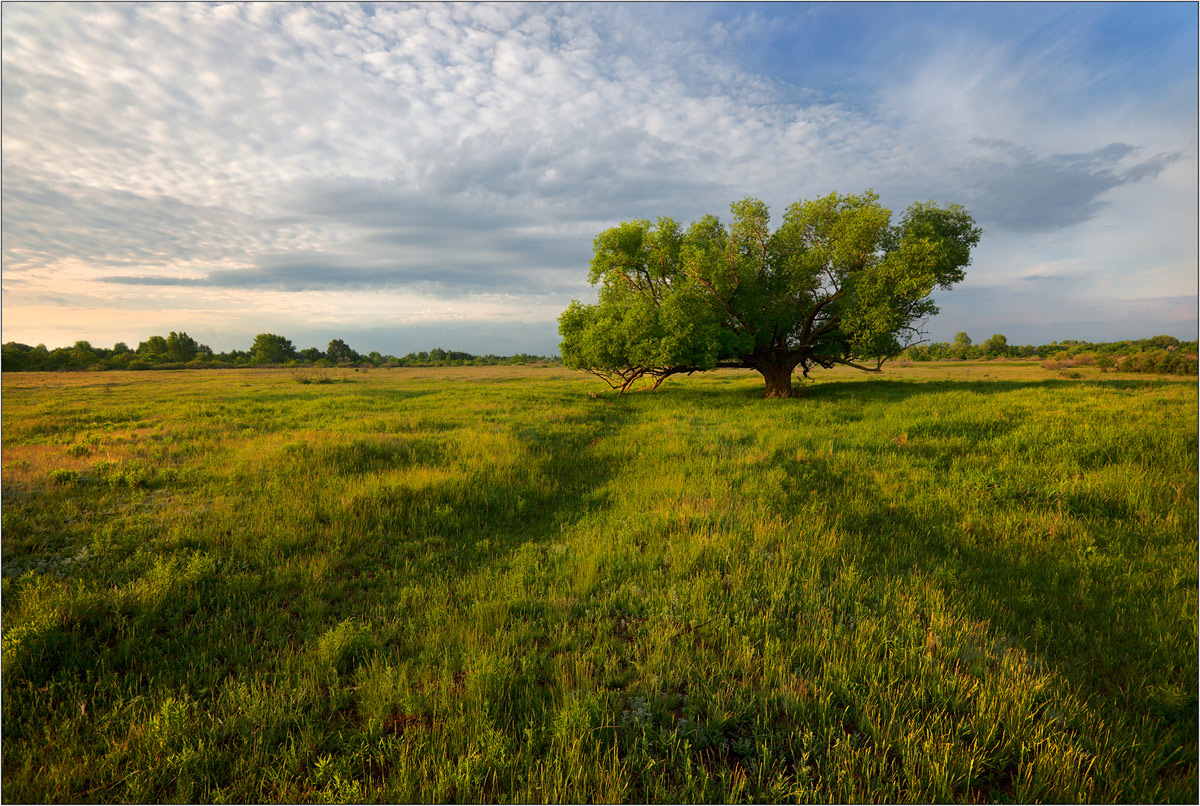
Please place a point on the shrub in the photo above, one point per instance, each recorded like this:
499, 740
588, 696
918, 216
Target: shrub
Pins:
316, 376
61, 475
1158, 361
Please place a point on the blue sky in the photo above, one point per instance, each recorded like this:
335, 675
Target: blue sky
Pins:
404, 177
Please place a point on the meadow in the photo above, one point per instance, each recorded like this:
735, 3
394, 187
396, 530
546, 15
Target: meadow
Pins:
964, 582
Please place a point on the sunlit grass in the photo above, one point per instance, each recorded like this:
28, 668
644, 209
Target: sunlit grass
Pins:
974, 582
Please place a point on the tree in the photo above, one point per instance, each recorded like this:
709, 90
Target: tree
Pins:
836, 284
962, 346
181, 347
82, 354
17, 357
996, 346
153, 349
269, 348
338, 351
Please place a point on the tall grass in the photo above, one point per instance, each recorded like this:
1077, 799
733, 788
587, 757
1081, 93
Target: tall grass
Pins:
974, 583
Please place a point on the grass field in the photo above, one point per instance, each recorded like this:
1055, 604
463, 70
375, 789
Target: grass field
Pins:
974, 582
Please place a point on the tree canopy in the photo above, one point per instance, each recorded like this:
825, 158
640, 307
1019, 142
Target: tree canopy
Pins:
339, 351
836, 283
270, 348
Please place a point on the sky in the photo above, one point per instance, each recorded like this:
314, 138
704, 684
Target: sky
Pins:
410, 176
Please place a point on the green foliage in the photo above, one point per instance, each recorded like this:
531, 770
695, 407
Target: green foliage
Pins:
836, 283
16, 357
996, 346
82, 354
179, 351
338, 351
63, 476
154, 348
269, 348
1161, 355
181, 347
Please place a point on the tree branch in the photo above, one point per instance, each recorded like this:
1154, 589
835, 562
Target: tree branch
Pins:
822, 359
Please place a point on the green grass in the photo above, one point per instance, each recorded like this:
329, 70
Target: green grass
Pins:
974, 583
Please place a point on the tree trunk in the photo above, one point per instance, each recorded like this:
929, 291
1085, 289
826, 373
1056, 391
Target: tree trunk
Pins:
779, 379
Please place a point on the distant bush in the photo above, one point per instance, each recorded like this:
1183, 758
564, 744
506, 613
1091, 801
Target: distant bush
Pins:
1162, 361
63, 476
1081, 360
316, 376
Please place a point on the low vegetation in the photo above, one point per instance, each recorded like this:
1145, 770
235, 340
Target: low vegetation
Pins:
951, 582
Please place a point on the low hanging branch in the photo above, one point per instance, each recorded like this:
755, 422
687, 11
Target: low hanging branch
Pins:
624, 379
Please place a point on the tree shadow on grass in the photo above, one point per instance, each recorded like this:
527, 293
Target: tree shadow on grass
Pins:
218, 607
1095, 613
1090, 614
736, 391
1062, 607
876, 390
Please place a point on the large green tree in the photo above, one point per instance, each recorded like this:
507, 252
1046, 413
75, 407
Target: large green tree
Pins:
153, 349
181, 346
270, 348
836, 283
338, 351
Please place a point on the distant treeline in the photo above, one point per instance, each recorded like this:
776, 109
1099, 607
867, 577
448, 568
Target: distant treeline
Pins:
181, 351
1162, 354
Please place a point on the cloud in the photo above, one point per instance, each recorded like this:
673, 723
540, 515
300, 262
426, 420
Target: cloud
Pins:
1017, 190
295, 272
444, 152
45, 222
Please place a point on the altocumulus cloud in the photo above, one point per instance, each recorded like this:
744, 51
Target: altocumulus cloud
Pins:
455, 161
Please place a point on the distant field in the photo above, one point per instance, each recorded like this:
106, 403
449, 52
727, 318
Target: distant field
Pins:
967, 582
